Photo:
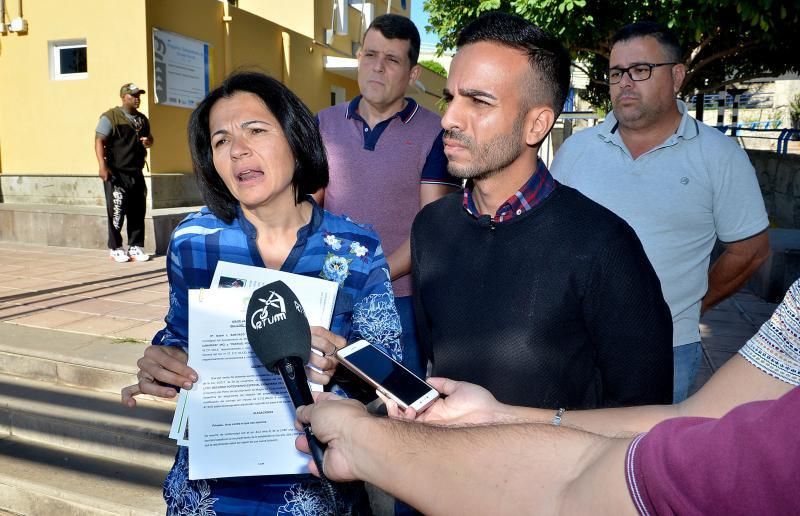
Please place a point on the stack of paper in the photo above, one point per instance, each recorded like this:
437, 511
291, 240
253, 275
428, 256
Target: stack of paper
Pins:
242, 418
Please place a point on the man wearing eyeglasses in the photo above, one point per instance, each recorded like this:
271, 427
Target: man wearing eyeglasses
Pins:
679, 183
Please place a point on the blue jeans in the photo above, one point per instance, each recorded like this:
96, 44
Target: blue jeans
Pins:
686, 362
412, 358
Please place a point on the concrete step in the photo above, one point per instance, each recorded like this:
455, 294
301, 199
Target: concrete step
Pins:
37, 479
86, 422
63, 358
66, 225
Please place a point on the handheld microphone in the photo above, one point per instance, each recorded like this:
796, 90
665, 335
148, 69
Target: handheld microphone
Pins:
279, 334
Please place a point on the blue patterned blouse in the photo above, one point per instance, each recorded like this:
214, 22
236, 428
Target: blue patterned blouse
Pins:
330, 247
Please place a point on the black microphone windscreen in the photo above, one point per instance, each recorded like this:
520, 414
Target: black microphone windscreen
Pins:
277, 326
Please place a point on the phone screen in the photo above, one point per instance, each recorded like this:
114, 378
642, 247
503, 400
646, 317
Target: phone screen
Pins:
389, 374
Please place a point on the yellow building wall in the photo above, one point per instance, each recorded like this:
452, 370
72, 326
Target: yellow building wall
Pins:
256, 44
295, 15
246, 42
198, 19
47, 126
341, 43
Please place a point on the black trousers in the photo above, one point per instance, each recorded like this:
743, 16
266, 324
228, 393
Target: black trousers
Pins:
126, 198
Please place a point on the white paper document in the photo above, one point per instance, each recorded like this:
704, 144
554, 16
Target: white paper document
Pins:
178, 429
241, 418
315, 294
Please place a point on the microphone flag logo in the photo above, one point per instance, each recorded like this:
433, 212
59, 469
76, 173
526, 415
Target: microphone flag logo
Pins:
274, 310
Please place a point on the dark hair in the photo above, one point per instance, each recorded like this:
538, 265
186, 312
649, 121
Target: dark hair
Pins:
549, 60
394, 26
297, 122
665, 37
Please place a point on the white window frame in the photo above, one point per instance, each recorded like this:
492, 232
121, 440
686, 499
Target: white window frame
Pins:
339, 94
55, 47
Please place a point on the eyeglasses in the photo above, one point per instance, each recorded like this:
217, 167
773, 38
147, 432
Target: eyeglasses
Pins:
637, 72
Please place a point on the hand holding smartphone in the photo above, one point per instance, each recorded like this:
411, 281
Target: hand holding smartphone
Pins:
387, 375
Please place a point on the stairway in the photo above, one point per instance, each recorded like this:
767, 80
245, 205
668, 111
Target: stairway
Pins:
67, 445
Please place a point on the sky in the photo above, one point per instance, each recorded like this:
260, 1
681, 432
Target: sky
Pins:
420, 18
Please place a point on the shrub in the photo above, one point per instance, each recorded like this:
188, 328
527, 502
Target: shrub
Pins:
434, 66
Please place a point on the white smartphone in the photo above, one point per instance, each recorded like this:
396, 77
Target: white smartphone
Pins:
387, 375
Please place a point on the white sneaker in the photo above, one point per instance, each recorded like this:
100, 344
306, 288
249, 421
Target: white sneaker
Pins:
119, 255
137, 254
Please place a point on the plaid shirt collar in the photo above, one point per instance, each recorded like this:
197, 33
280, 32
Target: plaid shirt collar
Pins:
535, 190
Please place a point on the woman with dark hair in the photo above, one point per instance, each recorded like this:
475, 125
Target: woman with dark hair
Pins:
258, 156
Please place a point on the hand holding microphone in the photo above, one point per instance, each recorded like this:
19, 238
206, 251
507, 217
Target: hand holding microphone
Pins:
279, 334
336, 419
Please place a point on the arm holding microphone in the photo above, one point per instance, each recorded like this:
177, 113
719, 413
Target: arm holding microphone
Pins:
521, 468
567, 470
507, 469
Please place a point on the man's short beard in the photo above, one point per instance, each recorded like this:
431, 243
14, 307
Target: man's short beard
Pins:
493, 157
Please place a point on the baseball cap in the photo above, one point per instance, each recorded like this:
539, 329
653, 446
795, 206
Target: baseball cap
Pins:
130, 88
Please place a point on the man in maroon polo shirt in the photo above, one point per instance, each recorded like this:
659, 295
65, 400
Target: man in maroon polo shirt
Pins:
385, 156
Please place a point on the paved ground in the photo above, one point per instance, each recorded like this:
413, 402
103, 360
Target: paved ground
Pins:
102, 313
83, 291
726, 327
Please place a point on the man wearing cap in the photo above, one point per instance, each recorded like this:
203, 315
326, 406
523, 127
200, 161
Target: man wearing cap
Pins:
122, 137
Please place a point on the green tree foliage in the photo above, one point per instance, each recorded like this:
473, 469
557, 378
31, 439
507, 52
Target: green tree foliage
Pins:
434, 66
724, 41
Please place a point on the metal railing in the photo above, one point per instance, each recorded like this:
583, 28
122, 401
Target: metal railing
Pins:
783, 138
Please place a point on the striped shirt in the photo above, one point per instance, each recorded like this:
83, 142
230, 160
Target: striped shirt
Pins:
775, 349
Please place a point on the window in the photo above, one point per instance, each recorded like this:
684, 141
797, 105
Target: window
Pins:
337, 95
68, 60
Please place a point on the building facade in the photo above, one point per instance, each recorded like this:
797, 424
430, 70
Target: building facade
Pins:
62, 64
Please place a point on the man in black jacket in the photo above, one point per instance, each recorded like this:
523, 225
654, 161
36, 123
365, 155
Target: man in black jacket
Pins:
122, 137
530, 289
